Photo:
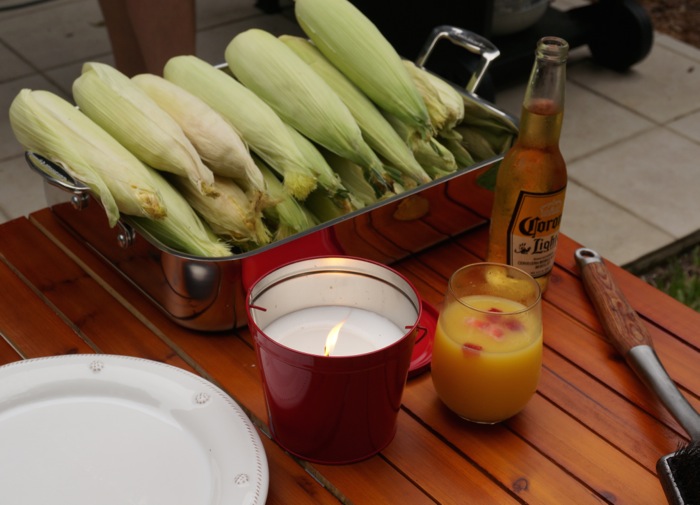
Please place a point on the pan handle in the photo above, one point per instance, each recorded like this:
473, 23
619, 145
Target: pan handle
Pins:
56, 176
468, 40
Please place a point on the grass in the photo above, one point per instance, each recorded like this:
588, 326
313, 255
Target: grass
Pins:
679, 277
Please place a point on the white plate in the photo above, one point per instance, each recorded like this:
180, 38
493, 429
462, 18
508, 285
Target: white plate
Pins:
103, 429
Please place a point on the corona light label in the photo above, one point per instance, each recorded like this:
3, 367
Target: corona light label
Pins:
533, 231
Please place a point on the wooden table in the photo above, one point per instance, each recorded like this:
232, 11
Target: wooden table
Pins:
592, 433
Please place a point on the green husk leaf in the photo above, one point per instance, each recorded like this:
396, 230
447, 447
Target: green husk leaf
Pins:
435, 158
302, 99
462, 156
231, 214
52, 127
361, 191
259, 126
375, 129
114, 102
286, 214
356, 46
182, 229
216, 141
328, 180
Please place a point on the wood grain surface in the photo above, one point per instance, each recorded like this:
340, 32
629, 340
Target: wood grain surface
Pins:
591, 434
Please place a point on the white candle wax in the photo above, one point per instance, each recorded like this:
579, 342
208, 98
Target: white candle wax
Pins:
306, 330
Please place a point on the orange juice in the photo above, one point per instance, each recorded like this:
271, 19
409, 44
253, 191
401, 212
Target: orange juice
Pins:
487, 357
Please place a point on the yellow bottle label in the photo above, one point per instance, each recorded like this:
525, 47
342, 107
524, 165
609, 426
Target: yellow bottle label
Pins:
533, 231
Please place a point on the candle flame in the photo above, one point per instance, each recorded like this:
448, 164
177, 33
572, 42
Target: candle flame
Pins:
332, 338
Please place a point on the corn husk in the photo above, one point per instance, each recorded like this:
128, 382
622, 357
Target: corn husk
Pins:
480, 115
361, 192
375, 129
52, 127
302, 99
182, 229
286, 214
462, 156
435, 158
110, 99
322, 207
444, 103
329, 182
231, 214
475, 140
356, 46
260, 127
216, 141
484, 141
485, 132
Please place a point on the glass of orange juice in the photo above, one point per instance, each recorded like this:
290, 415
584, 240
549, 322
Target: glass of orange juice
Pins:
487, 353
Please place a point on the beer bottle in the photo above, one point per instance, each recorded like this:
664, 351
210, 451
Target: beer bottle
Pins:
531, 181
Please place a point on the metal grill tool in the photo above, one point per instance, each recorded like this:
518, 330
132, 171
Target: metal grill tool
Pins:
679, 472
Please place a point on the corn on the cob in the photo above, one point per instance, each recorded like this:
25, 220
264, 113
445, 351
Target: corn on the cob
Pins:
499, 139
481, 115
375, 129
474, 141
321, 207
435, 158
216, 141
182, 229
231, 215
301, 98
355, 45
260, 127
52, 127
287, 214
445, 104
329, 182
462, 156
110, 99
484, 131
361, 192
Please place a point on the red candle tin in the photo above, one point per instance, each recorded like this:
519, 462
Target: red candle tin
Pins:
333, 409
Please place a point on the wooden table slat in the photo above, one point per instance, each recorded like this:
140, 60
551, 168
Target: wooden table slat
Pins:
511, 460
446, 476
110, 327
28, 329
7, 353
606, 412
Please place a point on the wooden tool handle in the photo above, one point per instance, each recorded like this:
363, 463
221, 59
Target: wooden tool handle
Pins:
622, 325
625, 330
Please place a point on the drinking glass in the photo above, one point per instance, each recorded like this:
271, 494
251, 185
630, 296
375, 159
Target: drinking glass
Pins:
487, 353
